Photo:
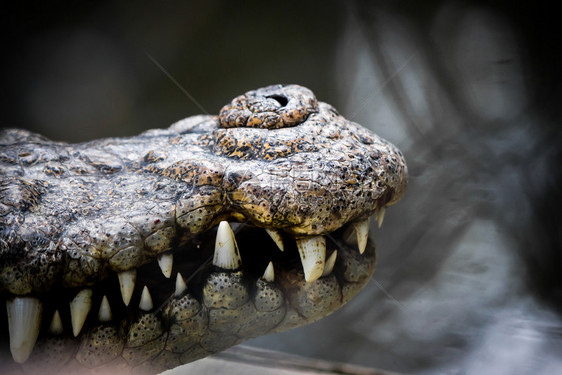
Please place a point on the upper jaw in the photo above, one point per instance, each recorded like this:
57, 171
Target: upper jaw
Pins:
307, 179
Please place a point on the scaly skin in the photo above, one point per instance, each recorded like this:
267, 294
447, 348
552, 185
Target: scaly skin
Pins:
74, 216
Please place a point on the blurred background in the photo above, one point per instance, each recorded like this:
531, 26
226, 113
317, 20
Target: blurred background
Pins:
469, 278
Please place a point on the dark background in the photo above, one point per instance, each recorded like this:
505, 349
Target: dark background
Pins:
469, 278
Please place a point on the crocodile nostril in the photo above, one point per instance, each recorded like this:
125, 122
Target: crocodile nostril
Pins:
279, 99
272, 107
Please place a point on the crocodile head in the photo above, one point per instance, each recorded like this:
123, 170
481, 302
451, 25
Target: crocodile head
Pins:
147, 252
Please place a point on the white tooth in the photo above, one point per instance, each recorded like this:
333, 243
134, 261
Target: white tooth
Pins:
146, 300
24, 320
313, 252
166, 261
276, 237
180, 285
79, 308
226, 250
329, 267
104, 315
362, 233
380, 215
127, 281
269, 274
56, 324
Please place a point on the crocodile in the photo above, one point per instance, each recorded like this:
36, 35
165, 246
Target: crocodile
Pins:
140, 254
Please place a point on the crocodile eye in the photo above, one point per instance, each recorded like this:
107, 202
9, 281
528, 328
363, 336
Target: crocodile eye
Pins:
272, 107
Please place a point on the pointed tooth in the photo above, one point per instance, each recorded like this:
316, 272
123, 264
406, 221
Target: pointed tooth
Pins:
362, 233
56, 324
146, 300
269, 274
127, 281
79, 308
24, 320
329, 267
380, 215
313, 252
180, 285
166, 261
104, 314
277, 238
226, 249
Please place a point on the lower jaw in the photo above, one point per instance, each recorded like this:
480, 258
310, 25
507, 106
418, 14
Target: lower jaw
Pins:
220, 308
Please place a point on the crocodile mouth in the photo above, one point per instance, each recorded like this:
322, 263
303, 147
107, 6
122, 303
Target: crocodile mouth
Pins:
232, 282
118, 253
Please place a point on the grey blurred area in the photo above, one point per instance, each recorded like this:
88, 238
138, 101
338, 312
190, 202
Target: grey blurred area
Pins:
469, 277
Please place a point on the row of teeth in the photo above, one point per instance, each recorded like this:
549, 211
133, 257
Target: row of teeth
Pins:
24, 313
